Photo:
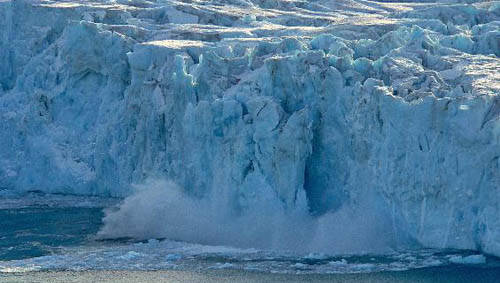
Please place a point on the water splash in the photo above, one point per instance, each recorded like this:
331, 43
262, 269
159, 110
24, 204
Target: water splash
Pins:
161, 209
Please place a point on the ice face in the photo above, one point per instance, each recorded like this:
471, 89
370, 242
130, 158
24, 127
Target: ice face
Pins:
314, 106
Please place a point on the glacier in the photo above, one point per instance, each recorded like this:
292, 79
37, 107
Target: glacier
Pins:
296, 113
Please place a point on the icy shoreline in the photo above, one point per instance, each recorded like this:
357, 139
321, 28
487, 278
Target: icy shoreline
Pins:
316, 106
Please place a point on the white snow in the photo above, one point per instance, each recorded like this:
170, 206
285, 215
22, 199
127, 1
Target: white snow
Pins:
347, 109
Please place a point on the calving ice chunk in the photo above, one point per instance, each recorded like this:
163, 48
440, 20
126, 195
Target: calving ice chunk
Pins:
346, 118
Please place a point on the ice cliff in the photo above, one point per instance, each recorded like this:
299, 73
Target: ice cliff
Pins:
318, 104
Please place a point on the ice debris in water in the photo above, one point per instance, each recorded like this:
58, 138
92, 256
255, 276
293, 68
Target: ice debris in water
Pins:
471, 259
354, 118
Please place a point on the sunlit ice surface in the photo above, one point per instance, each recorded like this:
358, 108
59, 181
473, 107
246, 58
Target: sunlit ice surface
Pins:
306, 136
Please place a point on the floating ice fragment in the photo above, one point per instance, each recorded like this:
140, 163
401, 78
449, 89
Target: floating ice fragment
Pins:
222, 265
472, 259
299, 265
338, 263
130, 255
316, 256
173, 257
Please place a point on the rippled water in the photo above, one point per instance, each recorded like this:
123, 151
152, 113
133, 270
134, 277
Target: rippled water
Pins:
45, 235
39, 231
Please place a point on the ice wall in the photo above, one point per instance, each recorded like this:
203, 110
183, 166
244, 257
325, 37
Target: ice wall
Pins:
335, 104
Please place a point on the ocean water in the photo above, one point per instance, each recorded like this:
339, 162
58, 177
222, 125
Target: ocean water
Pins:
58, 233
40, 231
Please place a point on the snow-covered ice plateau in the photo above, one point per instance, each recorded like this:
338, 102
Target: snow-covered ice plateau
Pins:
355, 119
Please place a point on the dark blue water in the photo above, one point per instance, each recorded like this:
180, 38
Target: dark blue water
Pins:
37, 231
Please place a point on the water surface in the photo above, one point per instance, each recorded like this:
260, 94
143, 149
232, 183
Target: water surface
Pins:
54, 236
